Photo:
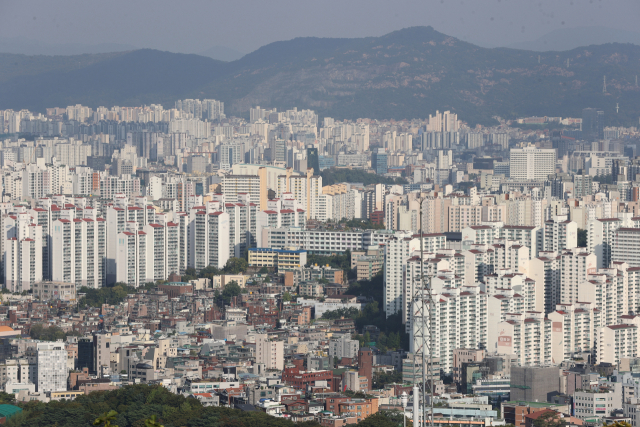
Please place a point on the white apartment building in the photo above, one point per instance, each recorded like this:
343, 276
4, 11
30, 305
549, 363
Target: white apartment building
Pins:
601, 235
22, 253
506, 280
162, 250
322, 242
580, 323
437, 271
574, 267
398, 250
559, 234
208, 239
462, 216
78, 251
131, 259
52, 366
529, 236
459, 320
618, 341
530, 163
234, 185
527, 336
614, 291
343, 346
242, 225
626, 246
269, 353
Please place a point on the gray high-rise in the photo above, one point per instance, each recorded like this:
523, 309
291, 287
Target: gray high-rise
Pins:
592, 124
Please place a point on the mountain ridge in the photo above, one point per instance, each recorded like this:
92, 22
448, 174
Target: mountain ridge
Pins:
404, 74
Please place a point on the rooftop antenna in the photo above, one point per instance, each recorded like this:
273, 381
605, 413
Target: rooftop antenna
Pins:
604, 84
617, 107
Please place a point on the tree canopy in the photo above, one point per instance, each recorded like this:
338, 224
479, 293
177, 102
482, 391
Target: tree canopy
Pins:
229, 291
134, 406
51, 333
337, 175
233, 266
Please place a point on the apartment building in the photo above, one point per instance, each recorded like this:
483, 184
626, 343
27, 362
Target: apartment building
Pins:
462, 323
208, 239
343, 346
322, 242
559, 234
527, 336
626, 246
79, 251
601, 235
270, 353
398, 250
579, 324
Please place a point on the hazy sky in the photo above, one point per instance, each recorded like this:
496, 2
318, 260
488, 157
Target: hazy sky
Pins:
195, 25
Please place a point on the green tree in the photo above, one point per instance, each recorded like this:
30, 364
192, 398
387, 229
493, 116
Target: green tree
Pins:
334, 175
550, 418
235, 266
582, 238
106, 419
381, 379
230, 290
50, 333
286, 297
382, 342
151, 422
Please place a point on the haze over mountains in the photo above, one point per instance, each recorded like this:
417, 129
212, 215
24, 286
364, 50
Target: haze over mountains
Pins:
23, 46
571, 38
404, 74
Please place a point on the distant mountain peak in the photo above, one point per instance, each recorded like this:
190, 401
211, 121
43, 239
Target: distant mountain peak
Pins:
405, 74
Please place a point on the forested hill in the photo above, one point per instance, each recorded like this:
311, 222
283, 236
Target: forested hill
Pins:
405, 74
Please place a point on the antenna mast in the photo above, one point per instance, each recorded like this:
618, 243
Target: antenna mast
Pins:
604, 84
422, 306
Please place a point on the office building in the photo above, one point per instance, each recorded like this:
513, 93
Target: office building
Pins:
534, 383
531, 163
52, 366
592, 124
379, 161
85, 354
